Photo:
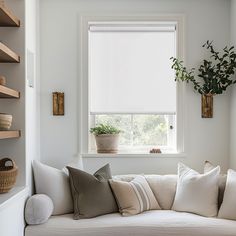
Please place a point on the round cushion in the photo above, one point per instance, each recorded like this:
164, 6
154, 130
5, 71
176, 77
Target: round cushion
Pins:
38, 209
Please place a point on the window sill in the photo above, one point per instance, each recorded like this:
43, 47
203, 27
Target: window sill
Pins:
133, 155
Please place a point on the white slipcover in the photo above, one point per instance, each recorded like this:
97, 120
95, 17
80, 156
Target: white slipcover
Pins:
150, 223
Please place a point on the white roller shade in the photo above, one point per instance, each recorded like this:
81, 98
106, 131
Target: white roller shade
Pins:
130, 69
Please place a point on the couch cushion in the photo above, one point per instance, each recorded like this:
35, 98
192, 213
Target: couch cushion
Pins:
55, 184
228, 207
135, 196
149, 223
164, 188
92, 194
208, 166
127, 178
38, 209
197, 193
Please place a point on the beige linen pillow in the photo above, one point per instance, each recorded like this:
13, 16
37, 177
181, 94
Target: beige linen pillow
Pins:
164, 189
228, 206
208, 166
134, 197
162, 186
197, 193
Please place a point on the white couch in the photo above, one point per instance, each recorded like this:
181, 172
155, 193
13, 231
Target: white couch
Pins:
164, 222
151, 223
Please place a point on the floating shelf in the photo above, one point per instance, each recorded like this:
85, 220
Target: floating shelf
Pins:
6, 92
7, 55
7, 19
9, 134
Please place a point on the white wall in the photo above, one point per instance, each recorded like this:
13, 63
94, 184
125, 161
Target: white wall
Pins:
206, 139
233, 94
32, 93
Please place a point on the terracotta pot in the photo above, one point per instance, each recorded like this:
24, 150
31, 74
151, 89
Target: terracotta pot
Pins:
207, 105
107, 143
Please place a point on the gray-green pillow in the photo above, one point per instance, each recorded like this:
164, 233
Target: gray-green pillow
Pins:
91, 194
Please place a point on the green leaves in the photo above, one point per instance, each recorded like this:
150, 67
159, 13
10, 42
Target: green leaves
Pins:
216, 74
104, 129
182, 74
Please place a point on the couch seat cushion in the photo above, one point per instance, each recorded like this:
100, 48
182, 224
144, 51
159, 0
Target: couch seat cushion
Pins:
151, 223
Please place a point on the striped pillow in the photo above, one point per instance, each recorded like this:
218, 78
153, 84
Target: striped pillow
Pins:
134, 197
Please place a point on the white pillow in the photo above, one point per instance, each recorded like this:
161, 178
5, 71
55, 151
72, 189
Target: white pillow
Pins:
228, 206
55, 184
38, 209
197, 193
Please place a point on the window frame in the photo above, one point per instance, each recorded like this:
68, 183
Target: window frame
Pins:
83, 73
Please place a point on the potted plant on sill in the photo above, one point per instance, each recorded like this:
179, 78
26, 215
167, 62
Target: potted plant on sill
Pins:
216, 75
107, 138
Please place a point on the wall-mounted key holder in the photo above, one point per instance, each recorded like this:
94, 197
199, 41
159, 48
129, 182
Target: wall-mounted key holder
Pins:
58, 103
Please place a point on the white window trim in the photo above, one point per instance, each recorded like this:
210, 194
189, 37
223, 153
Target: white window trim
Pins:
83, 83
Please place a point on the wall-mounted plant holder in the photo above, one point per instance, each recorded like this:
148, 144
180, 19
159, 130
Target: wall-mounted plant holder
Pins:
58, 103
207, 105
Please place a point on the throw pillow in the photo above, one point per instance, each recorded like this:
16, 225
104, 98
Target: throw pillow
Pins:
134, 197
228, 207
38, 209
55, 184
92, 194
208, 166
197, 193
164, 189
162, 186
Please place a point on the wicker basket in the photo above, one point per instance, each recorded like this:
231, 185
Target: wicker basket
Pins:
7, 174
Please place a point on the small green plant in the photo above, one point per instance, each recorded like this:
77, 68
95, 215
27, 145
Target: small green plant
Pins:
216, 73
104, 129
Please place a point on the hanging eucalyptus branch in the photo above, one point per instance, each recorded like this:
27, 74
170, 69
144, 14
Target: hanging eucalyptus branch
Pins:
216, 73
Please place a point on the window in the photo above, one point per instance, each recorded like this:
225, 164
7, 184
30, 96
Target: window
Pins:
131, 84
140, 133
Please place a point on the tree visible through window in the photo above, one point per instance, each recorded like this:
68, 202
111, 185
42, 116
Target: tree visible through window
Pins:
142, 132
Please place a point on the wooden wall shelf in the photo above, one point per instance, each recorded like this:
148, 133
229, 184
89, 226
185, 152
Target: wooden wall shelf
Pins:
6, 92
10, 134
7, 19
7, 55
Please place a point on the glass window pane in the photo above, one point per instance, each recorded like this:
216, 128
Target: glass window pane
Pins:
150, 130
122, 122
142, 132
